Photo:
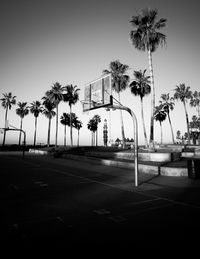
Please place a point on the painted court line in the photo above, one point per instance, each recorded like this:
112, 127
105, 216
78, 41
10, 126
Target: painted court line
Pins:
134, 190
102, 212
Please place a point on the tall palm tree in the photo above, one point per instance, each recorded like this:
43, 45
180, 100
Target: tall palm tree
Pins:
55, 94
97, 120
146, 37
22, 111
141, 87
160, 115
7, 101
195, 101
71, 96
49, 112
167, 103
119, 83
78, 126
183, 93
35, 108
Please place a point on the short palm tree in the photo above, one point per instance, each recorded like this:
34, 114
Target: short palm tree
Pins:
160, 115
55, 94
141, 87
71, 96
195, 128
78, 126
167, 103
178, 135
195, 101
22, 111
65, 120
119, 83
92, 126
97, 120
146, 37
183, 93
49, 112
35, 108
7, 101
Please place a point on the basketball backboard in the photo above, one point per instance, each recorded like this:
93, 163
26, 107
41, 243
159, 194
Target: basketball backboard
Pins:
97, 93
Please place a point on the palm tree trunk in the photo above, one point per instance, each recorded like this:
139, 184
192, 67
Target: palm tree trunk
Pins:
151, 141
93, 138
161, 133
171, 128
71, 137
187, 122
143, 123
4, 135
122, 125
96, 138
64, 135
56, 139
35, 131
78, 139
20, 133
49, 129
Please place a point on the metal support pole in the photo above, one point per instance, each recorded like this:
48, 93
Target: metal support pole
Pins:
135, 129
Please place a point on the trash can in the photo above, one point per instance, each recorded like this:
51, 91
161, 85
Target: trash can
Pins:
193, 165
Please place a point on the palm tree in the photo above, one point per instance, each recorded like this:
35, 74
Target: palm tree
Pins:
119, 83
55, 94
195, 101
195, 128
183, 93
7, 101
49, 112
146, 37
92, 126
167, 105
35, 109
141, 87
97, 120
64, 120
78, 126
22, 111
160, 115
71, 96
178, 135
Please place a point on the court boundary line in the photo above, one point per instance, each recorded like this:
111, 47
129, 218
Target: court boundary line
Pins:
128, 190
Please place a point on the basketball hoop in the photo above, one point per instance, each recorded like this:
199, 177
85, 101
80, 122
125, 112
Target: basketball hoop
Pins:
97, 93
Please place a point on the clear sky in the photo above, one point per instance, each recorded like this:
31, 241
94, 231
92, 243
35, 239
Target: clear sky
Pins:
72, 41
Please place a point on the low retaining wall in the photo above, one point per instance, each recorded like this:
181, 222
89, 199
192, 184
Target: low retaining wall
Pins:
171, 171
38, 152
148, 169
152, 157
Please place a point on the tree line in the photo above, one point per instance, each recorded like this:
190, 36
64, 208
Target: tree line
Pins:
145, 36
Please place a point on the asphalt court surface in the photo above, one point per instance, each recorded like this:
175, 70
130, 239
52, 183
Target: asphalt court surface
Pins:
67, 203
